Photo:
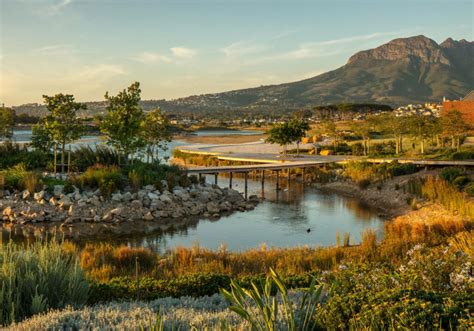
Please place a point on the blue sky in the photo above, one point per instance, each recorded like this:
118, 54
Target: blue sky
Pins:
180, 48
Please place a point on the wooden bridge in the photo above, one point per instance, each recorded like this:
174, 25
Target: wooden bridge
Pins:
303, 163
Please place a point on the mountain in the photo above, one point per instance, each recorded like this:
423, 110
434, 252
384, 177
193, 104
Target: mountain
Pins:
404, 70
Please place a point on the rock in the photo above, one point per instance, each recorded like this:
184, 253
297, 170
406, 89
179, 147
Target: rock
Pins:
8, 211
117, 211
127, 196
77, 196
58, 190
165, 198
204, 197
136, 204
117, 197
25, 194
253, 198
183, 195
97, 218
225, 206
153, 196
71, 210
213, 207
82, 203
95, 201
65, 202
52, 201
38, 196
249, 206
148, 217
149, 188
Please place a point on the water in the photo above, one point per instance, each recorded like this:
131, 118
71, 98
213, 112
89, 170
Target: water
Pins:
281, 220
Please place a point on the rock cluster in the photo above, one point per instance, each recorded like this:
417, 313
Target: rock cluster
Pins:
148, 204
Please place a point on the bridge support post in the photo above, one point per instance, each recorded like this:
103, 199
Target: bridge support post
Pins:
230, 180
263, 183
278, 180
289, 177
246, 184
215, 177
302, 175
200, 178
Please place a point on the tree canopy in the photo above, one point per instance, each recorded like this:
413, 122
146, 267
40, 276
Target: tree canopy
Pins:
7, 121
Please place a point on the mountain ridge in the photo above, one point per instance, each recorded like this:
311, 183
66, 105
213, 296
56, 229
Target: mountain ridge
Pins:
404, 70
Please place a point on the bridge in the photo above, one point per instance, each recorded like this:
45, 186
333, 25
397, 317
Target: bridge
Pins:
272, 162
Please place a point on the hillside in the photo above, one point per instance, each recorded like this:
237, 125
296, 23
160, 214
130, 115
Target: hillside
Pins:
404, 70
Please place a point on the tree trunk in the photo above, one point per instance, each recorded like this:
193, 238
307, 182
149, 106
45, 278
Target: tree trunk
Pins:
397, 146
368, 146
422, 146
401, 143
298, 148
453, 141
63, 152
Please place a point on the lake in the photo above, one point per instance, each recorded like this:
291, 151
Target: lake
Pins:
293, 216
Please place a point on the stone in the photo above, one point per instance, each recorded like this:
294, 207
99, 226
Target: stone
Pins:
8, 211
253, 198
82, 203
71, 210
165, 198
136, 204
77, 196
97, 218
95, 201
213, 207
65, 202
117, 197
38, 195
53, 201
58, 190
153, 196
148, 217
149, 188
127, 196
117, 211
25, 194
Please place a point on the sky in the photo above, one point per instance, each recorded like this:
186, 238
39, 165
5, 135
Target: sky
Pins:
180, 48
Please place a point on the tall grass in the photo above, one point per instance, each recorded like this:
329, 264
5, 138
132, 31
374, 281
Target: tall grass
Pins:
446, 194
38, 277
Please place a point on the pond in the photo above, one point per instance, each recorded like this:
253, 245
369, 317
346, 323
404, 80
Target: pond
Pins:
293, 216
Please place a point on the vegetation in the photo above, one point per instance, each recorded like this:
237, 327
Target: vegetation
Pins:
38, 277
7, 120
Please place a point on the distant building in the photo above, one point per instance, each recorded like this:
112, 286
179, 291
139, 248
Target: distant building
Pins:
465, 106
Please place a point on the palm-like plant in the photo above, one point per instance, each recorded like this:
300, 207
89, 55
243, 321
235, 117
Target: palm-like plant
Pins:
261, 309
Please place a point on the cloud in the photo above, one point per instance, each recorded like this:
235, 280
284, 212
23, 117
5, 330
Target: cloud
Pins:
183, 52
149, 57
58, 6
242, 48
101, 71
53, 50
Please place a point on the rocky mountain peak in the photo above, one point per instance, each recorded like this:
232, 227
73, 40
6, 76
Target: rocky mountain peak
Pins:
421, 47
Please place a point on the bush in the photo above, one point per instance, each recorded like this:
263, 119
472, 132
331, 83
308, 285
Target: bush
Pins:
449, 174
469, 189
84, 157
19, 178
107, 178
36, 278
12, 154
460, 181
357, 149
397, 169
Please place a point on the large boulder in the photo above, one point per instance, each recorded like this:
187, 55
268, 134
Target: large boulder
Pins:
38, 196
213, 207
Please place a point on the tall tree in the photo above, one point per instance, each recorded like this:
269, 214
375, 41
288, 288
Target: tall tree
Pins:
155, 132
454, 126
123, 121
7, 121
62, 125
281, 134
396, 127
421, 128
328, 127
299, 128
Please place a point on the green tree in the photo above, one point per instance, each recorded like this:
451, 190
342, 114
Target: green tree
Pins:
41, 139
7, 121
454, 126
328, 127
123, 121
61, 126
281, 134
299, 128
156, 132
362, 129
421, 128
396, 127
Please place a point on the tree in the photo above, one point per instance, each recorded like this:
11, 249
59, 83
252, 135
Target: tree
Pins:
421, 128
7, 121
395, 126
41, 140
156, 132
123, 121
282, 134
61, 126
454, 126
362, 129
328, 127
299, 127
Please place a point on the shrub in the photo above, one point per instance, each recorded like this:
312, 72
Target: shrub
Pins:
19, 178
460, 181
12, 154
84, 157
449, 174
37, 278
107, 178
469, 189
357, 149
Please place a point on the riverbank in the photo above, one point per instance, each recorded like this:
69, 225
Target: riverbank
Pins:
88, 214
221, 139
